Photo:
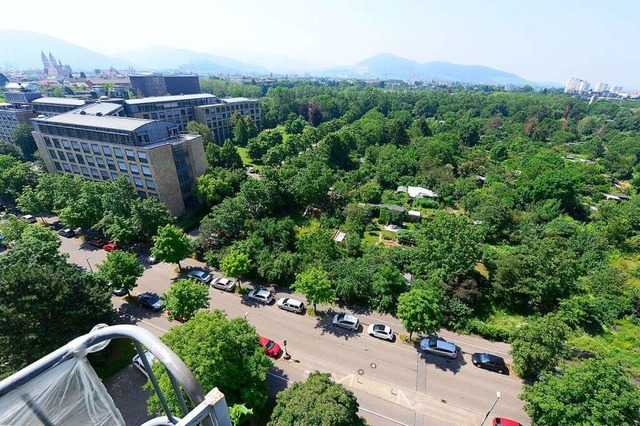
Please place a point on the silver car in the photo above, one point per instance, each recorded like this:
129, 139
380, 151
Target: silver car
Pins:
201, 276
381, 331
261, 295
137, 362
346, 321
291, 305
440, 347
226, 284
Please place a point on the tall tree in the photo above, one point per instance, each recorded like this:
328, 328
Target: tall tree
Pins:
202, 130
317, 401
240, 132
420, 311
221, 353
171, 245
315, 284
539, 345
235, 265
24, 139
121, 270
593, 392
185, 298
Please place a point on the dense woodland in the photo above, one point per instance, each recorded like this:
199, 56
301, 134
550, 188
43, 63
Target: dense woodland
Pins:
534, 236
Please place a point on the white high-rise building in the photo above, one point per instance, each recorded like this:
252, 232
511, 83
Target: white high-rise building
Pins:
577, 86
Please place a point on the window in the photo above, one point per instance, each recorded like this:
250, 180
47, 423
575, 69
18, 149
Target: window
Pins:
146, 171
47, 141
53, 155
142, 156
117, 152
70, 157
106, 150
80, 158
56, 143
57, 165
114, 175
152, 195
130, 156
122, 166
112, 165
90, 160
75, 145
142, 194
85, 147
95, 148
100, 162
85, 171
134, 169
66, 167
66, 144
95, 174
150, 184
138, 182
104, 175
75, 169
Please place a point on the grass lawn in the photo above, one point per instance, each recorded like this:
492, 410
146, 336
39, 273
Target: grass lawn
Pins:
119, 355
627, 264
371, 238
244, 155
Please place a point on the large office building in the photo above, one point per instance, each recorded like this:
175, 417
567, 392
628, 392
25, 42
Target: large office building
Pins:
182, 84
148, 85
11, 117
50, 106
177, 109
152, 155
217, 116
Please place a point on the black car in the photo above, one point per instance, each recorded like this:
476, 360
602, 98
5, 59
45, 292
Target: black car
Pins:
67, 233
489, 362
56, 226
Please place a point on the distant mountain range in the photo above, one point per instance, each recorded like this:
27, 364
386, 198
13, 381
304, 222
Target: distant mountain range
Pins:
21, 49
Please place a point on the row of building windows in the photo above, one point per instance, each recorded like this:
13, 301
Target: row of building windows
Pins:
100, 162
80, 133
96, 149
101, 174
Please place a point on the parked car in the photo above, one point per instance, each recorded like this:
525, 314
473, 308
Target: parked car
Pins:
290, 304
503, 421
271, 348
261, 295
381, 331
29, 218
56, 226
152, 260
489, 362
97, 242
201, 276
439, 346
116, 291
137, 362
346, 321
67, 233
250, 170
110, 246
150, 301
226, 284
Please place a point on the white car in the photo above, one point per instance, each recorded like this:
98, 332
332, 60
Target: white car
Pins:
261, 295
381, 331
29, 218
292, 305
226, 284
201, 276
346, 321
137, 362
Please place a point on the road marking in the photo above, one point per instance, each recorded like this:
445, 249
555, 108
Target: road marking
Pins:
278, 377
154, 326
383, 416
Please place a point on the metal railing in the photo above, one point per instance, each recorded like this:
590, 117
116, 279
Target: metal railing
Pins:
210, 409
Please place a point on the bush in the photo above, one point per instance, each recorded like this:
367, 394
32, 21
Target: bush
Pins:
488, 331
427, 203
406, 238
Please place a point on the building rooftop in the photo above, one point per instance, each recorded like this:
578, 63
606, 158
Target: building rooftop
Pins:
154, 99
101, 108
58, 101
236, 100
105, 122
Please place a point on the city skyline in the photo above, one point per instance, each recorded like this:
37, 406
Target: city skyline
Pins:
542, 42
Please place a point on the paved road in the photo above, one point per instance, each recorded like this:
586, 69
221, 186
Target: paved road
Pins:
395, 383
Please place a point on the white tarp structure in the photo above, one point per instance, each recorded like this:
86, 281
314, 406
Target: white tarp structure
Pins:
417, 192
69, 393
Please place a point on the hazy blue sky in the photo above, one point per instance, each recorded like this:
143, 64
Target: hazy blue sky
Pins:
541, 40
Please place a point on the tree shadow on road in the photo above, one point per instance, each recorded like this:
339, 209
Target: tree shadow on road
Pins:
358, 310
277, 380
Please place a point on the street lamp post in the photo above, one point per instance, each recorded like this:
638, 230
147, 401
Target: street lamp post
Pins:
286, 354
492, 407
90, 268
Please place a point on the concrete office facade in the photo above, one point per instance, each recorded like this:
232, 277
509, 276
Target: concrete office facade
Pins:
217, 116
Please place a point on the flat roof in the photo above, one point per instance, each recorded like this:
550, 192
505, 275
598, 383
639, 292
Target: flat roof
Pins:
58, 101
105, 122
236, 100
104, 108
153, 99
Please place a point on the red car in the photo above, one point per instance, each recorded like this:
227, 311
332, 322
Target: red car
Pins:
502, 421
110, 246
271, 348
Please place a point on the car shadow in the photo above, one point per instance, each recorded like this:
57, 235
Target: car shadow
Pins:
131, 313
245, 300
441, 362
326, 324
88, 247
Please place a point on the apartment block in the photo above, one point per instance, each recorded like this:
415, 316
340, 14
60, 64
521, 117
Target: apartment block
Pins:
10, 118
177, 109
217, 116
158, 161
50, 106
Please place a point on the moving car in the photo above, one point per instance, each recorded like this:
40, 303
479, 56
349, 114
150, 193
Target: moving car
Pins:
261, 295
290, 304
67, 233
346, 321
271, 348
137, 362
226, 284
199, 275
489, 362
110, 246
440, 347
503, 421
381, 331
29, 218
150, 301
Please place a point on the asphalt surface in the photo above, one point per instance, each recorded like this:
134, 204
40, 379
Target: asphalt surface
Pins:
395, 383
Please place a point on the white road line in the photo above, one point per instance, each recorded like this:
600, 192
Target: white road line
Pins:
278, 377
154, 326
383, 416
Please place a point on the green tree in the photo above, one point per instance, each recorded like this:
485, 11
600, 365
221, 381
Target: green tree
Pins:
539, 345
420, 311
24, 139
387, 285
235, 265
318, 401
240, 132
314, 283
121, 270
212, 189
148, 216
15, 175
221, 353
171, 245
223, 156
202, 130
185, 298
252, 130
12, 227
593, 392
